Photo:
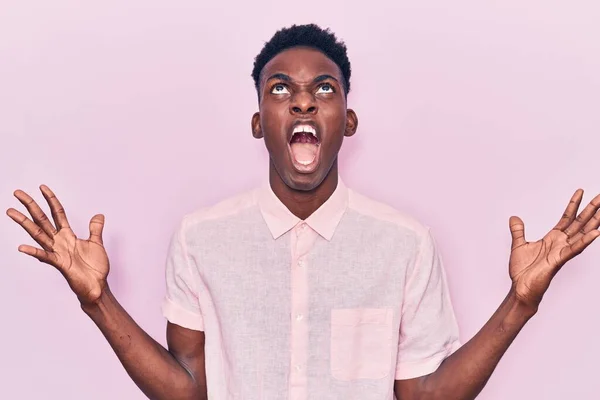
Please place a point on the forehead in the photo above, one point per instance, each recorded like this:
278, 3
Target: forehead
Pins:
301, 64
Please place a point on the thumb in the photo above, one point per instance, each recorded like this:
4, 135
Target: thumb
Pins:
517, 231
96, 226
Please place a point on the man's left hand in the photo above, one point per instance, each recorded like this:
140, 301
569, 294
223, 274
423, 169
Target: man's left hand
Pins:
532, 265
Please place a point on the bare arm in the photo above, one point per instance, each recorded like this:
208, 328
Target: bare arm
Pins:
464, 374
174, 374
532, 267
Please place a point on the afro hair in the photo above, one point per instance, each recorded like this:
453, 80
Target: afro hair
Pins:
310, 35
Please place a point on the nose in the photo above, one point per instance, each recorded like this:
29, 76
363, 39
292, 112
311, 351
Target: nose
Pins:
303, 103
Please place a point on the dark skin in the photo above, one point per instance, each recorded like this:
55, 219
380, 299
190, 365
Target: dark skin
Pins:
179, 372
176, 373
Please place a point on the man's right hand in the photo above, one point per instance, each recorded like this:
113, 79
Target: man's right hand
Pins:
84, 263
177, 373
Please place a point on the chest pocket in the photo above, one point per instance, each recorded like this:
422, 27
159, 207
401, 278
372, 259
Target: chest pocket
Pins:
361, 343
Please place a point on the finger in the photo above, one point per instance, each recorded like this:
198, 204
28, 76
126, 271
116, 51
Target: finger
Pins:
571, 211
517, 231
577, 247
39, 217
42, 255
58, 212
34, 230
584, 217
592, 224
96, 227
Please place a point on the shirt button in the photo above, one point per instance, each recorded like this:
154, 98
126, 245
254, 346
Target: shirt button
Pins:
298, 368
301, 263
303, 227
299, 317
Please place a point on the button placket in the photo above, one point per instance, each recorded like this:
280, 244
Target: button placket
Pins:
302, 240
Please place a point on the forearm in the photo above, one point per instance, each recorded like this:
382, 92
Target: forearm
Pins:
153, 369
463, 375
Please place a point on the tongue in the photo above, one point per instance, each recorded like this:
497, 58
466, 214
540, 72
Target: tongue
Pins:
304, 153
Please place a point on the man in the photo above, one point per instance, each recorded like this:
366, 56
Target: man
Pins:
305, 289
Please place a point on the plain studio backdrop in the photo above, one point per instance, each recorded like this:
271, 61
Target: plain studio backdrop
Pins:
469, 112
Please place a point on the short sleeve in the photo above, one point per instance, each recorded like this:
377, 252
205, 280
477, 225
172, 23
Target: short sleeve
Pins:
428, 328
181, 305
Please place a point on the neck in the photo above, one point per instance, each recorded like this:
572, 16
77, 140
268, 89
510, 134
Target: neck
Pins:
302, 203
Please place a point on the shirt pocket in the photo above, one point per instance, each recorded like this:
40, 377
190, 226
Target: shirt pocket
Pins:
361, 343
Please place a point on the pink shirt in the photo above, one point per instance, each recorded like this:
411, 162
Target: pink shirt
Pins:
334, 307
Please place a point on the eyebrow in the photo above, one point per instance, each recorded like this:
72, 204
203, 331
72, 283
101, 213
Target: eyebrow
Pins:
280, 76
324, 77
287, 78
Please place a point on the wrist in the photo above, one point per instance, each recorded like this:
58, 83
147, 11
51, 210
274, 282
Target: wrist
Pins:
521, 308
99, 303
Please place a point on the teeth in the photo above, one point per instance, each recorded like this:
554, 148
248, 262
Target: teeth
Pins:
305, 128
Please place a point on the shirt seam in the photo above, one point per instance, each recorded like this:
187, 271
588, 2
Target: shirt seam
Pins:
418, 259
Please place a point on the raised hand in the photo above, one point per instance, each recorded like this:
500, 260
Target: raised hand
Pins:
84, 263
533, 264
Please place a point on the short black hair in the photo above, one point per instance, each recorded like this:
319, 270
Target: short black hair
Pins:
309, 35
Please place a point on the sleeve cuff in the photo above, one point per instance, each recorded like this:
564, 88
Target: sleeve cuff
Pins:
178, 315
415, 369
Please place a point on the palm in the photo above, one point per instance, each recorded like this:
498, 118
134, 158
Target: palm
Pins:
532, 265
84, 263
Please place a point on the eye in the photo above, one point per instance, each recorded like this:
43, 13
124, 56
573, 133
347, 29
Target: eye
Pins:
279, 89
325, 88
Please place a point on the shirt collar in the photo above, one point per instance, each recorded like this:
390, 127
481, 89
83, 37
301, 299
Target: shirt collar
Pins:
324, 220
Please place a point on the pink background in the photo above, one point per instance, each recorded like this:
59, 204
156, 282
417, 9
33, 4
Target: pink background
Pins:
469, 113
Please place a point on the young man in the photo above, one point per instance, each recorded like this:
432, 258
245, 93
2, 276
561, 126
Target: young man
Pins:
305, 289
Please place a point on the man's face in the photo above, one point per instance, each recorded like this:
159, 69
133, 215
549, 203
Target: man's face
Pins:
303, 116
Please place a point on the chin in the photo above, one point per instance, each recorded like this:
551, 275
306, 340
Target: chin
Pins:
304, 182
294, 179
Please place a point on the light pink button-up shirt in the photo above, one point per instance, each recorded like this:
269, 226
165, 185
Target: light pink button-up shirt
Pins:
334, 307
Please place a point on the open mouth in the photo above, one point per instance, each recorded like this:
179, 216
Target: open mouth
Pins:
304, 146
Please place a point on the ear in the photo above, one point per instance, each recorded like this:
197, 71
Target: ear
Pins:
256, 128
351, 123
